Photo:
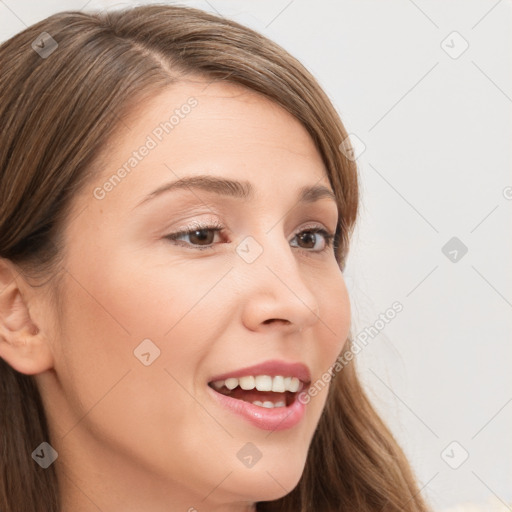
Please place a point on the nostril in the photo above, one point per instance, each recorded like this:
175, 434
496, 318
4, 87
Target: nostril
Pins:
278, 320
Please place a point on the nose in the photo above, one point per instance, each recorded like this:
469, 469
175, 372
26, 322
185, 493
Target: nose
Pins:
275, 289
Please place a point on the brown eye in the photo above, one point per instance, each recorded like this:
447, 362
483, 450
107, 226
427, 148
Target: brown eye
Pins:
309, 239
201, 236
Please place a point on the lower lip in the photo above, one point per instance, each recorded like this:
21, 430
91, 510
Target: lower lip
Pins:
278, 418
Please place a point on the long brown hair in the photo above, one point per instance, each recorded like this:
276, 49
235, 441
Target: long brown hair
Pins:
59, 106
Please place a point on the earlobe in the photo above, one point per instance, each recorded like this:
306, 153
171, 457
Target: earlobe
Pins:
22, 345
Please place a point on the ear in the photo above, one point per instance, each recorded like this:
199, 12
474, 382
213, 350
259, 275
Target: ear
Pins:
22, 344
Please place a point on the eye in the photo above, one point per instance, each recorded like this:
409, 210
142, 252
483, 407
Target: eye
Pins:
201, 236
309, 236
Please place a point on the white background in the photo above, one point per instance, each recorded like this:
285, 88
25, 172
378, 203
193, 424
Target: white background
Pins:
436, 130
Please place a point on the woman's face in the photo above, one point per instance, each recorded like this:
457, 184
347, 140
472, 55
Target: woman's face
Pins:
151, 319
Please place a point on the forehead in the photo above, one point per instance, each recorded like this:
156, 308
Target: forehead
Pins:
201, 115
196, 127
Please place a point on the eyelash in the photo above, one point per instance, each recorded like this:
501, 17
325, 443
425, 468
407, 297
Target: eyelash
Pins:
218, 227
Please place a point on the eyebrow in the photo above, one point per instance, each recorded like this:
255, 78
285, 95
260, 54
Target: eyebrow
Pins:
236, 189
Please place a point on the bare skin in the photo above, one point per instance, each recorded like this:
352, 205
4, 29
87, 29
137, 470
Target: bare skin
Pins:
132, 437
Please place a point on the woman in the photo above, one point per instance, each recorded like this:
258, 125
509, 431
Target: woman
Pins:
174, 224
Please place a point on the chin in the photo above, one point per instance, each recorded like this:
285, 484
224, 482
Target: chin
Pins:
265, 484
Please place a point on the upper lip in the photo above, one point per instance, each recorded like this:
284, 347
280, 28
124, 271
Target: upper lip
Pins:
271, 368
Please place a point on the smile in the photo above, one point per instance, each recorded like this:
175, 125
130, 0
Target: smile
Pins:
267, 399
261, 390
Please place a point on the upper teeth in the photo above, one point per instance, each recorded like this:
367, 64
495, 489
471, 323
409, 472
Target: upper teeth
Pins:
278, 384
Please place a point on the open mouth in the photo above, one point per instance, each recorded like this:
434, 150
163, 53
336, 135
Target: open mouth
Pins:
261, 390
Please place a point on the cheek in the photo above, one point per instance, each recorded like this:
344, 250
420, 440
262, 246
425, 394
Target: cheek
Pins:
334, 324
336, 318
119, 311
110, 309
129, 300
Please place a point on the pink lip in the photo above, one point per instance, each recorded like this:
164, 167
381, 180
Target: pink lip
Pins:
272, 368
279, 418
